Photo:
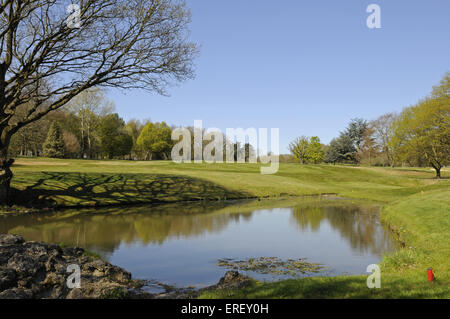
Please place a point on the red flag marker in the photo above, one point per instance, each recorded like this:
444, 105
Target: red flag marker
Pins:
430, 274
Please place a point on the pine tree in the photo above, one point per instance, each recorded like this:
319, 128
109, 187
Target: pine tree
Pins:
54, 144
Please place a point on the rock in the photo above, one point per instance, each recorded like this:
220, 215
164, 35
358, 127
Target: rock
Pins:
16, 293
75, 294
36, 250
8, 239
39, 270
118, 274
8, 279
75, 251
23, 265
231, 280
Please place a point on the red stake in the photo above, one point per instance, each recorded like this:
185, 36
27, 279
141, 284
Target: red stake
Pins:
430, 274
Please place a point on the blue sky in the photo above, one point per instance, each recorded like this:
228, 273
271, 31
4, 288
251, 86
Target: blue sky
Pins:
306, 67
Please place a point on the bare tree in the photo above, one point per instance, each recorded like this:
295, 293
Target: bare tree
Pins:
88, 106
382, 131
47, 56
30, 138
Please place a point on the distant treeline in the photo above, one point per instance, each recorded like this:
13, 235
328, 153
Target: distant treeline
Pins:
88, 128
418, 136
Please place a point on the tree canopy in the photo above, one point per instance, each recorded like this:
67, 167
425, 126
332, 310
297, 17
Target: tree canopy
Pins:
46, 60
356, 130
114, 139
307, 149
341, 149
155, 140
423, 131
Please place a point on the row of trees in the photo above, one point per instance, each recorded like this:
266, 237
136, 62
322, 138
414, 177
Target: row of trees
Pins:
84, 128
418, 136
87, 127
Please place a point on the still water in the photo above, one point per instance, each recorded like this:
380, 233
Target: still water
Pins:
181, 244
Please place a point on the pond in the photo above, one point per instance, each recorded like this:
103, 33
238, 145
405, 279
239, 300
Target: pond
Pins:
182, 244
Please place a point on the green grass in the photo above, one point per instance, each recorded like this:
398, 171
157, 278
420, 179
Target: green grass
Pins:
416, 207
94, 183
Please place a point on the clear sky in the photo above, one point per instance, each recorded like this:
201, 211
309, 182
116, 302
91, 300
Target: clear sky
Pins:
304, 66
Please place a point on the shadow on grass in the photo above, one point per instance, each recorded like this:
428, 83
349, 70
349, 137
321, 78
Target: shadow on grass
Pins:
336, 287
432, 173
80, 189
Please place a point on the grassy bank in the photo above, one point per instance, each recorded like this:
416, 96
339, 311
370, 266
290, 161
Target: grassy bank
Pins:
416, 207
89, 183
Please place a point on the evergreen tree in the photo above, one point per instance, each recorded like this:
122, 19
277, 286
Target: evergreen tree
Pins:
356, 130
54, 144
340, 150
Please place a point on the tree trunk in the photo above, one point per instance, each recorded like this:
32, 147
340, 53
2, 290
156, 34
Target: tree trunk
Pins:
437, 167
5, 175
89, 142
438, 173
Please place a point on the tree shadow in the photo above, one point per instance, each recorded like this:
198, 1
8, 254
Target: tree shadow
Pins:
353, 287
431, 173
56, 189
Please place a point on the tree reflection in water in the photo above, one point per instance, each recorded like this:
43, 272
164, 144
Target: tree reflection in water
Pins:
103, 230
357, 224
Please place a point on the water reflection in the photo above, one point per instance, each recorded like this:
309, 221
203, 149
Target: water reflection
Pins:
358, 225
106, 229
192, 235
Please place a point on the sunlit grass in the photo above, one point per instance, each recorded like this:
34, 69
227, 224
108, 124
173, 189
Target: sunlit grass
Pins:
109, 182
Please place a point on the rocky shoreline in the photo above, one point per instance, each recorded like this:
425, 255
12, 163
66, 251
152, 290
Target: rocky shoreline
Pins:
32, 270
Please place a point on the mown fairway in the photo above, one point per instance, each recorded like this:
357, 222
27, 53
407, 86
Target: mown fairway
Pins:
416, 207
83, 182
